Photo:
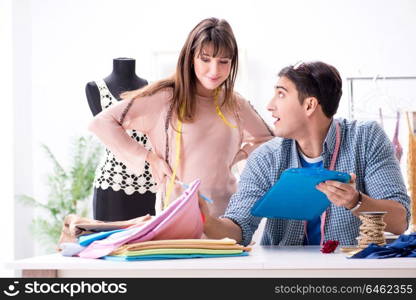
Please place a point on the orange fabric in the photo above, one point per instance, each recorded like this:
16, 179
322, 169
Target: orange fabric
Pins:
411, 169
74, 226
222, 244
227, 244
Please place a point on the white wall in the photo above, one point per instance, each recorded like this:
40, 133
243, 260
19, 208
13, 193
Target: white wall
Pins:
6, 123
64, 44
24, 124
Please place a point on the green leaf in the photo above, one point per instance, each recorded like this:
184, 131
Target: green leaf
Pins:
68, 191
29, 201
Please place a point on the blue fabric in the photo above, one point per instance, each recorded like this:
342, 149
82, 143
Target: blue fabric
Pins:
70, 249
404, 246
365, 150
169, 256
313, 227
85, 240
306, 164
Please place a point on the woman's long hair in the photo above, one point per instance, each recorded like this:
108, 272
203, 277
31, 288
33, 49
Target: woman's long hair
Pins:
212, 31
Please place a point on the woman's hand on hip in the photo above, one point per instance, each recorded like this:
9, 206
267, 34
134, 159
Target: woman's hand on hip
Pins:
159, 168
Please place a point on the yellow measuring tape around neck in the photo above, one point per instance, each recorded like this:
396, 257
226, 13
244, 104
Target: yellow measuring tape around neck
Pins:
178, 136
219, 113
171, 184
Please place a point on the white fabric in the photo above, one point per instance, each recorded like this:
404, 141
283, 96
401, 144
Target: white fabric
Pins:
111, 173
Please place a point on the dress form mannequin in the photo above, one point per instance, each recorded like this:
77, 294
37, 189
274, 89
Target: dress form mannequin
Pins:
119, 194
123, 78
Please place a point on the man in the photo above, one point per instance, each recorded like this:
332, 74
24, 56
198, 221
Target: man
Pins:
305, 101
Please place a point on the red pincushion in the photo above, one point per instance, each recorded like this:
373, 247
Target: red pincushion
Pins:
329, 246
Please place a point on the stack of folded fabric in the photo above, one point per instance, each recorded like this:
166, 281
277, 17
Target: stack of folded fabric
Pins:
180, 220
174, 233
78, 232
180, 248
75, 227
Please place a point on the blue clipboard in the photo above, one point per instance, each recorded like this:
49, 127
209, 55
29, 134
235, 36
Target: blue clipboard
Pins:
294, 195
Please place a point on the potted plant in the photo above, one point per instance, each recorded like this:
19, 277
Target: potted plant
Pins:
68, 190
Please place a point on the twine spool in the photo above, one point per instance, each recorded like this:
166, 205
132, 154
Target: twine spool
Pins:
371, 229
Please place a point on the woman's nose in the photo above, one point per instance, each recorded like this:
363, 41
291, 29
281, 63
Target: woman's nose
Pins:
213, 68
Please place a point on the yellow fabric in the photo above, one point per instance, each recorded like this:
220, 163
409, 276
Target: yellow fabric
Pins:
184, 246
411, 170
225, 243
193, 246
177, 251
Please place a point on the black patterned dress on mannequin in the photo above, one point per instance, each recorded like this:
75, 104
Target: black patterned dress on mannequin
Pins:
120, 194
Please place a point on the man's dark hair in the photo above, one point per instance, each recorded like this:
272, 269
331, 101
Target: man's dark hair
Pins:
319, 80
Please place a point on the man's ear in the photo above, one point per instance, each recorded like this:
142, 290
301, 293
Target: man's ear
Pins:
310, 104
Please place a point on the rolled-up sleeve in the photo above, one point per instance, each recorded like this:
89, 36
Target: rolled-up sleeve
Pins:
111, 124
255, 181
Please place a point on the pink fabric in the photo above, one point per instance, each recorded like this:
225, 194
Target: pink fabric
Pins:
398, 149
180, 220
209, 147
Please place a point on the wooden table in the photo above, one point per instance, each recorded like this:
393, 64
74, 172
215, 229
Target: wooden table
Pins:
263, 261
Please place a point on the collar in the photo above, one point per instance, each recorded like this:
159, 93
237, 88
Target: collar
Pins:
310, 160
330, 139
328, 146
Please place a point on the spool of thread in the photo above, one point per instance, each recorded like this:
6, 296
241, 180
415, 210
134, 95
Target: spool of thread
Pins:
371, 229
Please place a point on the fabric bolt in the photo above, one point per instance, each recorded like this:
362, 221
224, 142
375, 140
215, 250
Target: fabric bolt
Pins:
209, 148
102, 247
70, 249
85, 240
225, 243
75, 226
404, 246
180, 251
185, 246
180, 220
411, 167
108, 226
171, 256
365, 150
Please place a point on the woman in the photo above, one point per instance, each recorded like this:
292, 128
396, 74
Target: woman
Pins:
197, 125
